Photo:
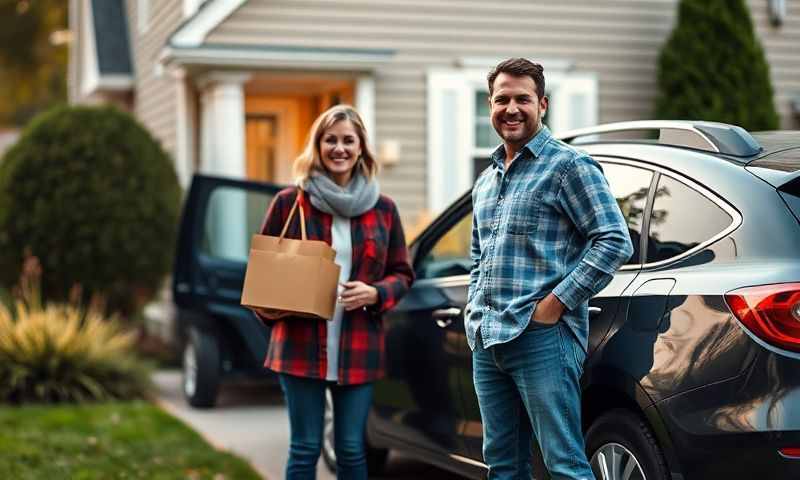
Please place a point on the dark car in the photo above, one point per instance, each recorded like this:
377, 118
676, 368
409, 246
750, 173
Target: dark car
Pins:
693, 369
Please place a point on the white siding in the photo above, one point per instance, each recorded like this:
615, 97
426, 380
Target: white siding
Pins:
619, 40
155, 98
782, 47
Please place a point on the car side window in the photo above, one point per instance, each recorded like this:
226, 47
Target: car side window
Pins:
681, 219
232, 216
630, 186
449, 255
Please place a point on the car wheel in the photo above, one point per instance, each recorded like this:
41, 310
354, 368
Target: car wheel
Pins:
376, 457
620, 446
201, 369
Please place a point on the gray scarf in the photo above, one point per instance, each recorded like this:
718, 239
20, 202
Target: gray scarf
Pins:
359, 196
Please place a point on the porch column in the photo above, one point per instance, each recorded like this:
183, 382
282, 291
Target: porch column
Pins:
184, 129
223, 154
222, 118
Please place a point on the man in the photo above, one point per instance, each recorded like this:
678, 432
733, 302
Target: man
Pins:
547, 235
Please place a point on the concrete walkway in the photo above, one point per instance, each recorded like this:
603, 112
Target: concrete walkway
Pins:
251, 422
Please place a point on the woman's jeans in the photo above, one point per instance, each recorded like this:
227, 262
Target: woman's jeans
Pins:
530, 387
305, 400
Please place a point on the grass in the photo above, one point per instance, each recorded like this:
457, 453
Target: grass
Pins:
117, 440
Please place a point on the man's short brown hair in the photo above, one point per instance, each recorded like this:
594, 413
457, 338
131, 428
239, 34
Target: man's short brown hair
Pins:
518, 67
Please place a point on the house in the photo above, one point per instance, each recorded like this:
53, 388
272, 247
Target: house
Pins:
230, 87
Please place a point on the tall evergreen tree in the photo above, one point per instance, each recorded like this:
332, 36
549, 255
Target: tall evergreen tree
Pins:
713, 68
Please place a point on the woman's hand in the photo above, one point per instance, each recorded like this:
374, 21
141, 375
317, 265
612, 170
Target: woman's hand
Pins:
358, 294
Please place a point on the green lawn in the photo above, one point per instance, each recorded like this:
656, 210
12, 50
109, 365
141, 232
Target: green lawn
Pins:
127, 440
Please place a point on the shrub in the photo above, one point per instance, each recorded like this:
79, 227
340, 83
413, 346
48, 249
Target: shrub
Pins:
713, 68
94, 196
63, 353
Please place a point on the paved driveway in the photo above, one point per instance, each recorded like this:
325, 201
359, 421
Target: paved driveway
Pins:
251, 422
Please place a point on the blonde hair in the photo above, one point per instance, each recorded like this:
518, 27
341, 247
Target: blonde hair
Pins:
310, 160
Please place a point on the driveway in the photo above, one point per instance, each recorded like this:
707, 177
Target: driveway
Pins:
251, 421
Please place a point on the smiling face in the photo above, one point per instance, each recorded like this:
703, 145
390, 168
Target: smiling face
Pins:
517, 110
339, 151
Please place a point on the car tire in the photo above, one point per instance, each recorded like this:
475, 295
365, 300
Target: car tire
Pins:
201, 369
624, 435
376, 457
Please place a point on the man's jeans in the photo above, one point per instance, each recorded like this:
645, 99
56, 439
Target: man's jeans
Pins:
305, 400
535, 376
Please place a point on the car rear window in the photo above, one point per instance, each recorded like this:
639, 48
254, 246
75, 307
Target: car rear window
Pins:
790, 192
785, 161
682, 218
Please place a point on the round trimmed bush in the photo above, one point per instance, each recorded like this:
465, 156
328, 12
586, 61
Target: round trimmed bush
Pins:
89, 192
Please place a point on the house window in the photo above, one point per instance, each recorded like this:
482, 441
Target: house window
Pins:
461, 136
486, 138
143, 15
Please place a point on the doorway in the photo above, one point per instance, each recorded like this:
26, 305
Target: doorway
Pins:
279, 111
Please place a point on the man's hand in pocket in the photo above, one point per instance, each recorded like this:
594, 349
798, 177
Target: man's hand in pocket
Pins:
549, 310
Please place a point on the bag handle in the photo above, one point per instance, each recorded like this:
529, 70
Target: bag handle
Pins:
291, 214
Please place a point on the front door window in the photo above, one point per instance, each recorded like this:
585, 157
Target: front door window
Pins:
263, 146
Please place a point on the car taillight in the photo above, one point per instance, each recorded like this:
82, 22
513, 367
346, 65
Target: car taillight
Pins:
790, 452
771, 312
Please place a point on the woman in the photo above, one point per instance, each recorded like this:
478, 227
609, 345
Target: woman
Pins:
344, 208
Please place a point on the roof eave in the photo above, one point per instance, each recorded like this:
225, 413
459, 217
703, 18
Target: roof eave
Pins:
272, 57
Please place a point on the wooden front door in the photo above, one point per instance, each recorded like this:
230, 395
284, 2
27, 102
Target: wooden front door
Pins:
277, 124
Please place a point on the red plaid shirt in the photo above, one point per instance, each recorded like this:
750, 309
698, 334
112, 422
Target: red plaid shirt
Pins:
298, 346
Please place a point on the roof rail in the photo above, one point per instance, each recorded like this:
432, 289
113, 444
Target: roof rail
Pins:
707, 136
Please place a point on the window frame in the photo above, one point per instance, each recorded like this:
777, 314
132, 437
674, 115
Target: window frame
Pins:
143, 15
451, 94
423, 245
647, 205
658, 171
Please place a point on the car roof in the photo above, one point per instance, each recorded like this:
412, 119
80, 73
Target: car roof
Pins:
781, 153
776, 141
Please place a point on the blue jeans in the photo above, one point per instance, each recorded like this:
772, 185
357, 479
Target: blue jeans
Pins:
530, 387
305, 400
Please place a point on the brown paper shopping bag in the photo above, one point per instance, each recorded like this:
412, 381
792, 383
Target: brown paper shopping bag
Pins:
288, 277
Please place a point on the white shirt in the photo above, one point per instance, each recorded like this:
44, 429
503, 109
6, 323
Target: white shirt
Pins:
341, 242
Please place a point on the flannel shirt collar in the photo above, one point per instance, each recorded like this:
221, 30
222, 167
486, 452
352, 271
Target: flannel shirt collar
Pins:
534, 147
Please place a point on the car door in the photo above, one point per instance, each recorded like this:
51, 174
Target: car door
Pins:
630, 183
685, 329
220, 215
419, 403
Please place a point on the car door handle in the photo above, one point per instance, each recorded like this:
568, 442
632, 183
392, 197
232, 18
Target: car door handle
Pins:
444, 317
595, 311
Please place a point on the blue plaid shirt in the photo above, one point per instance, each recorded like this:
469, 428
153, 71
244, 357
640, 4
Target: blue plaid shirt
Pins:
548, 224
